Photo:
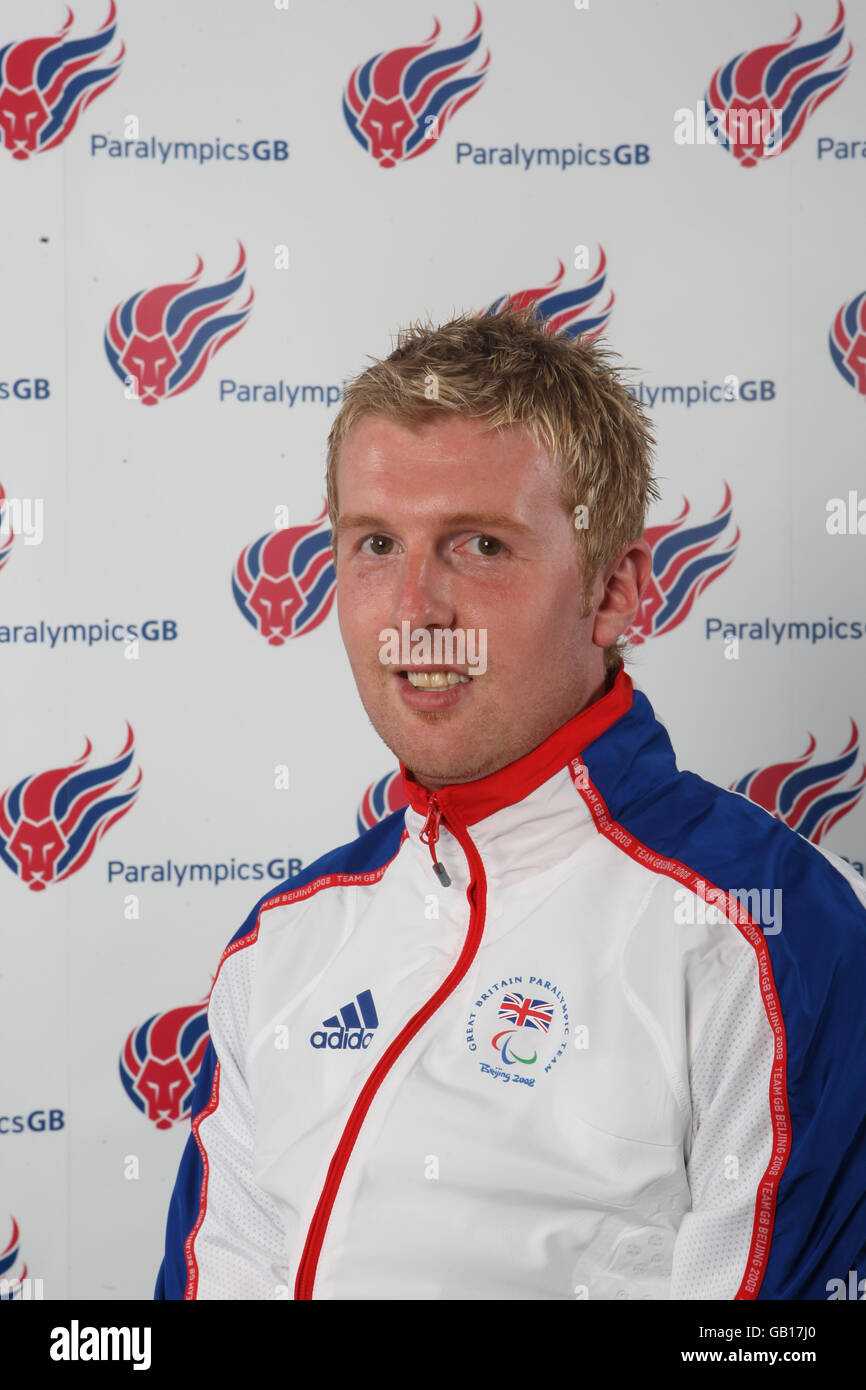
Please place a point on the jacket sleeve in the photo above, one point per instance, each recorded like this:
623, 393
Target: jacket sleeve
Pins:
731, 1138
777, 1160
224, 1235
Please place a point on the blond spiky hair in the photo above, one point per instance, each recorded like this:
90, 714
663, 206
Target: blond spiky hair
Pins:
507, 369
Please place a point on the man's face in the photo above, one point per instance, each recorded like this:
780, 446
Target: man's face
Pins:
448, 527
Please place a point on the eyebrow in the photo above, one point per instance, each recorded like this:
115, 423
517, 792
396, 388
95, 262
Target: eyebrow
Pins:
495, 520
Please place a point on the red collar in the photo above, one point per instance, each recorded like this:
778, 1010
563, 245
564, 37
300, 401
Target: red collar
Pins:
474, 801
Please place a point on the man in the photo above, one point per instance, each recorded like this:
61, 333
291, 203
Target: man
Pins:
524, 1039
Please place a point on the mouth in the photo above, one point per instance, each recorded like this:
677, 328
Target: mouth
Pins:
426, 679
433, 690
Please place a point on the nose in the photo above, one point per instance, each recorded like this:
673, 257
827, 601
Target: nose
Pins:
425, 596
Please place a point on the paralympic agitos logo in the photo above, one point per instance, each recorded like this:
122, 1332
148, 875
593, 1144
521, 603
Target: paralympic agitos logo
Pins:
525, 1031
397, 102
46, 83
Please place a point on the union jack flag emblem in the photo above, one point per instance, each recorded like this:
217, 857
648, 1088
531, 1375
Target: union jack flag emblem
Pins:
526, 1013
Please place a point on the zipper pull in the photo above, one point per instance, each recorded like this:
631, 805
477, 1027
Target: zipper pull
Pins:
429, 836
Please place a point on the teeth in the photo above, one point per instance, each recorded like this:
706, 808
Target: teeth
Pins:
435, 680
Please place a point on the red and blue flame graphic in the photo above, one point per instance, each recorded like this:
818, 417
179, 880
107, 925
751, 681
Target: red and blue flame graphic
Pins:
807, 795
848, 342
11, 1281
161, 1060
160, 340
285, 582
51, 821
763, 98
397, 103
573, 313
684, 563
45, 84
7, 535
380, 799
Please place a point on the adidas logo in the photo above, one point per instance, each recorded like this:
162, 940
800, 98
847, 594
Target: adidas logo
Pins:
352, 1028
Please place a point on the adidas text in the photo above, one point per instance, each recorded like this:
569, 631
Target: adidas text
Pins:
353, 1038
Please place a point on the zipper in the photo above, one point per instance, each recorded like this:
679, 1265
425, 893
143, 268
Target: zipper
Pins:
429, 835
476, 895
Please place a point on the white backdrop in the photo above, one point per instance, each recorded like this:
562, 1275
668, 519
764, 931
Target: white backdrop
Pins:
718, 270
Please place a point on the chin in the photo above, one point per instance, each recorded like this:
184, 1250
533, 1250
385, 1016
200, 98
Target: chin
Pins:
423, 741
458, 762
427, 755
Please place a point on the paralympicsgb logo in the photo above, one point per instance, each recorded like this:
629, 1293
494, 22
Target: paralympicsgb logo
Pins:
759, 101
285, 582
397, 103
381, 799
573, 313
685, 560
848, 342
7, 535
46, 83
13, 1270
51, 822
161, 1060
159, 341
808, 796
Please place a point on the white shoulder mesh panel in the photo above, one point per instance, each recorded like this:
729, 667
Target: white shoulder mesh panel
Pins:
732, 1137
240, 1247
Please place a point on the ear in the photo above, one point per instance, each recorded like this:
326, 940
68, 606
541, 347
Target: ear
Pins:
618, 592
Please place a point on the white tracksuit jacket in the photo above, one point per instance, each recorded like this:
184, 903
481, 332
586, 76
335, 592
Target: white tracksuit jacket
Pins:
584, 1069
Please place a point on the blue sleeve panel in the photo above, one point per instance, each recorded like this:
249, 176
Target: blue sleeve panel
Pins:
369, 852
186, 1197
818, 961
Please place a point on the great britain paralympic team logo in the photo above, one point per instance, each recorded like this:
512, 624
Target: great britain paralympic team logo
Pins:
285, 582
46, 82
848, 342
7, 535
807, 793
685, 560
759, 101
518, 1029
572, 312
381, 799
161, 1060
51, 822
159, 341
397, 103
13, 1270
